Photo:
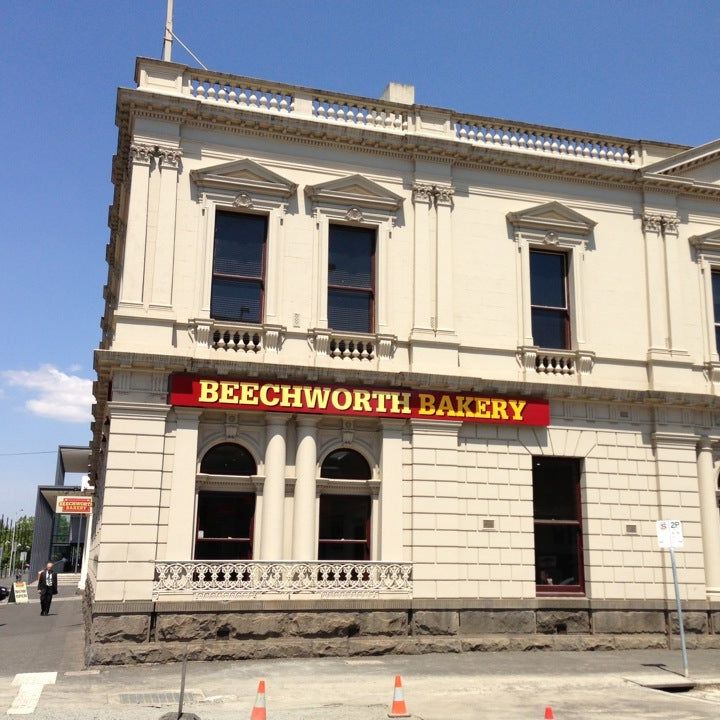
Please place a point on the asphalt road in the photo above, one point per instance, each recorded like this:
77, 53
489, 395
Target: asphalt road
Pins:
471, 686
31, 643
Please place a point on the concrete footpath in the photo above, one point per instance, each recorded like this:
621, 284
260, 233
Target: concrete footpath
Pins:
472, 686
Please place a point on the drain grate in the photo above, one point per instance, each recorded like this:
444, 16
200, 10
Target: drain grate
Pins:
158, 698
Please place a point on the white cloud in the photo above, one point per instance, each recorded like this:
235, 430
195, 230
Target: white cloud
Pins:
56, 394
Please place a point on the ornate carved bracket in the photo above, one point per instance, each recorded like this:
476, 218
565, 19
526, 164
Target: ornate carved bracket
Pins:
660, 223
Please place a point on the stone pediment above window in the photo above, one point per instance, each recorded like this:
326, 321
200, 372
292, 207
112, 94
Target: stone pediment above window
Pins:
552, 219
700, 164
244, 177
707, 245
354, 191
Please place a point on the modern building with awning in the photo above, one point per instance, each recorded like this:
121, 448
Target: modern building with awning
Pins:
60, 537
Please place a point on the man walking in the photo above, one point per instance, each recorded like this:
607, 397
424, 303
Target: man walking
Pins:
47, 587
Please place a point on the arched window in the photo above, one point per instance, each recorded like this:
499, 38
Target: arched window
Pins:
344, 519
345, 464
228, 459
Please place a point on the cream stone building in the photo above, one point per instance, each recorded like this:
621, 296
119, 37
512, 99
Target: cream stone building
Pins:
377, 376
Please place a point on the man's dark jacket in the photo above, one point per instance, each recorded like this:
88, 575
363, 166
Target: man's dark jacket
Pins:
42, 582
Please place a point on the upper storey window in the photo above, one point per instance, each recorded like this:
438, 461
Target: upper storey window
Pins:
238, 279
351, 279
716, 306
549, 299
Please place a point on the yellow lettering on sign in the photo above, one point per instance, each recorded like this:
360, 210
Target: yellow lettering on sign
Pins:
265, 399
381, 401
463, 406
400, 403
517, 407
227, 392
427, 404
499, 409
362, 401
247, 394
481, 407
291, 396
445, 407
208, 391
316, 397
345, 403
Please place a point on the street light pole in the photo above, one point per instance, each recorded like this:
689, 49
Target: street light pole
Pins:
12, 544
12, 550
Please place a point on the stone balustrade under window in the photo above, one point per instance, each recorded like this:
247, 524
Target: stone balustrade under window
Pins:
556, 362
237, 338
237, 579
352, 346
249, 94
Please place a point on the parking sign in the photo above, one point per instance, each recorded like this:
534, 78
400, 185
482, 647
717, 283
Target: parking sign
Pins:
670, 534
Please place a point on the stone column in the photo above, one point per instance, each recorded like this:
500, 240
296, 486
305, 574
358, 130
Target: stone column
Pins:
181, 519
304, 541
709, 517
391, 505
273, 504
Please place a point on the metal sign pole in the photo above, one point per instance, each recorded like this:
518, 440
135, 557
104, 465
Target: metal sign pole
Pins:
679, 612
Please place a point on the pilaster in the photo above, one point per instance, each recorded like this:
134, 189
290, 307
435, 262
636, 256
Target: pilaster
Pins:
391, 496
181, 525
709, 517
142, 162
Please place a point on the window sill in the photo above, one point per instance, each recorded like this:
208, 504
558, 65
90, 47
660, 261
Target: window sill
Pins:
546, 361
712, 371
352, 346
570, 592
239, 337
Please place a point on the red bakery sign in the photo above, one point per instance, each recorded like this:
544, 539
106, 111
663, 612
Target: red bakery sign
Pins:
276, 396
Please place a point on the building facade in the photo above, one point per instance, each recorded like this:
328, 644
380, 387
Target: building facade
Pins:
377, 376
62, 537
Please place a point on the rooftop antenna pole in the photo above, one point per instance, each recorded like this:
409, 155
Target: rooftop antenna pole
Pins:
168, 38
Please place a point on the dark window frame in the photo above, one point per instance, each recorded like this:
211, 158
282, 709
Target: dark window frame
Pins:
260, 280
249, 541
370, 292
577, 523
715, 273
218, 447
365, 543
564, 312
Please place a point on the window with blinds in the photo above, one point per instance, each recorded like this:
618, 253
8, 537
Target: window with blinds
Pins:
549, 300
238, 279
351, 279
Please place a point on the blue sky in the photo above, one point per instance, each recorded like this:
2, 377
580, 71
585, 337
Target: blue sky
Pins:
637, 69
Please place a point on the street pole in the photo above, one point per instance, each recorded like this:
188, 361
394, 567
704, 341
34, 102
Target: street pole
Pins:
679, 613
168, 37
12, 550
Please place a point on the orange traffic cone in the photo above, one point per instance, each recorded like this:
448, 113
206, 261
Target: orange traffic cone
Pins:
549, 714
399, 708
258, 711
